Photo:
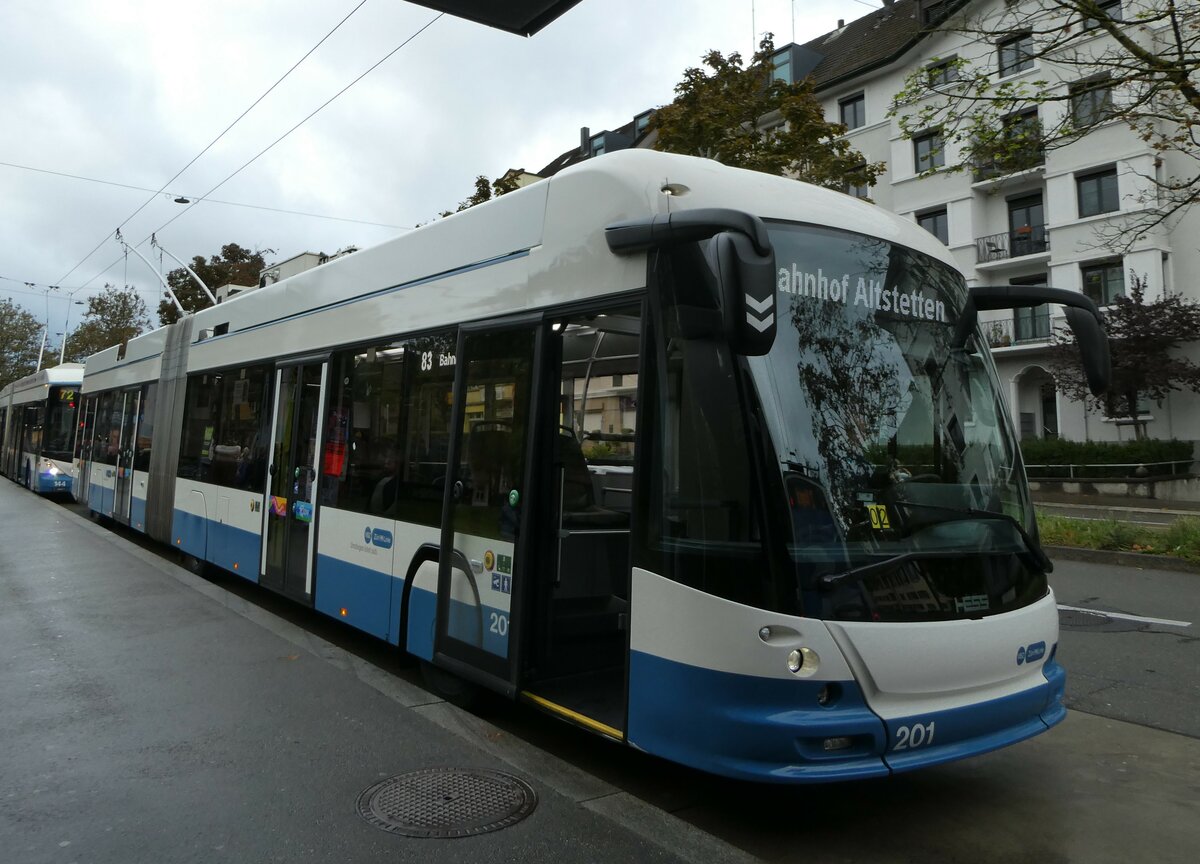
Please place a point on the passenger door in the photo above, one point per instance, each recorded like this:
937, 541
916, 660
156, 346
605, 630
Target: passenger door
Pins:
125, 449
292, 478
483, 563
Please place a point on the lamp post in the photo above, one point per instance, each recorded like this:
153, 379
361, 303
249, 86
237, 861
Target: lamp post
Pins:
66, 326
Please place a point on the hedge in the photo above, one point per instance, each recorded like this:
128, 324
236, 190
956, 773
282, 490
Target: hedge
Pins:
1058, 453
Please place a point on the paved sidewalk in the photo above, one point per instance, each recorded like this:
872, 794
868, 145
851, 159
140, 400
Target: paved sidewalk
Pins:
148, 715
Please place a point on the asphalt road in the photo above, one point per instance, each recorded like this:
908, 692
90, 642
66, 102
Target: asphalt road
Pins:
1115, 782
1142, 671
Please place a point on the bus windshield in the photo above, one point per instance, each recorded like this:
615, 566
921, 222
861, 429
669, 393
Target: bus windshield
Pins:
905, 491
60, 424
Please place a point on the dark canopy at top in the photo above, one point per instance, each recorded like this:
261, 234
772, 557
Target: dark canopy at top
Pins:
523, 17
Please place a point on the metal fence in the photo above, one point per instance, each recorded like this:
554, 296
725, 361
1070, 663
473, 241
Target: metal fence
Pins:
1110, 470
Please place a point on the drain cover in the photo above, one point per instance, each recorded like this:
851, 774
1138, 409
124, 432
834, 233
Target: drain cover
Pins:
447, 802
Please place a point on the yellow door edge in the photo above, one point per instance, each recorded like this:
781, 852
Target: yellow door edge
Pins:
574, 716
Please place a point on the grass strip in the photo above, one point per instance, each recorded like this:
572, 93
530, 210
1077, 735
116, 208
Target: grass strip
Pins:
1180, 540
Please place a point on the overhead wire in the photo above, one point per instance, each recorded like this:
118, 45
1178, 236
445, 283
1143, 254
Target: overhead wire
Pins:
186, 195
145, 203
274, 143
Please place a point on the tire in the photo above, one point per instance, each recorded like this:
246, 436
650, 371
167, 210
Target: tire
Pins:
450, 687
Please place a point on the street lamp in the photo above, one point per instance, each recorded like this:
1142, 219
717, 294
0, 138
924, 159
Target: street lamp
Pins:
66, 325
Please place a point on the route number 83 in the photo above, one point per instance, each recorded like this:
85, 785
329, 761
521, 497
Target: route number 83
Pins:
915, 735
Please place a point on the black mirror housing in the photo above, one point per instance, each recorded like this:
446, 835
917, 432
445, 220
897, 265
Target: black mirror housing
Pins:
746, 281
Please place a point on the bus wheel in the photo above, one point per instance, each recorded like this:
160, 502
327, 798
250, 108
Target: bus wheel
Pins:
449, 686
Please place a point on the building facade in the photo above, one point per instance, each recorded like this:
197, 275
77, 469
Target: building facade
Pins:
1039, 223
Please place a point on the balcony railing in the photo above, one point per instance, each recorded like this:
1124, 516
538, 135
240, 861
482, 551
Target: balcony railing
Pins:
1026, 329
1028, 240
1001, 165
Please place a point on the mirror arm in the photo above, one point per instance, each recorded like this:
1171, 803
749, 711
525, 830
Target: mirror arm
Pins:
669, 229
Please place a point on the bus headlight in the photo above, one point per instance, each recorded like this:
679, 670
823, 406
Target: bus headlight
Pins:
53, 470
803, 662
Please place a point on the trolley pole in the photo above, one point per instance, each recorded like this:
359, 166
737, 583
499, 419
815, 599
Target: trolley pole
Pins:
170, 293
154, 243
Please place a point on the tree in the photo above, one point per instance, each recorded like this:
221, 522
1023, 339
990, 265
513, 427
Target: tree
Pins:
235, 265
1144, 339
746, 118
485, 190
113, 316
20, 340
1135, 63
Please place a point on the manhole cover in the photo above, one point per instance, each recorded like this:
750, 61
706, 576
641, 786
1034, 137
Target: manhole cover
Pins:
447, 802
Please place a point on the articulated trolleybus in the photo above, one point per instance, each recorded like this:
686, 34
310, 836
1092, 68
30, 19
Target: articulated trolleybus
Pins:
37, 428
708, 462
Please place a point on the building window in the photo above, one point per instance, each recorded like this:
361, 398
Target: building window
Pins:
936, 223
1016, 54
1098, 192
1103, 282
1031, 323
782, 66
1091, 102
598, 145
942, 72
929, 150
1111, 8
853, 111
858, 190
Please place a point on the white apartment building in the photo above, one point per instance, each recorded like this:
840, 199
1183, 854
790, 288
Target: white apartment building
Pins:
1035, 226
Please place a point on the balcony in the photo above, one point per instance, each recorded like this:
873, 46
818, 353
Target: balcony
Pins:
1027, 240
1027, 329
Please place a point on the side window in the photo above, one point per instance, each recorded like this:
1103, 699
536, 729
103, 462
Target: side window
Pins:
239, 448
387, 429
597, 416
108, 429
702, 512
145, 428
199, 426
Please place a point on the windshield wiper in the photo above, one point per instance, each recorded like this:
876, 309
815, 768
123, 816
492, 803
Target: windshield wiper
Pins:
1035, 548
857, 574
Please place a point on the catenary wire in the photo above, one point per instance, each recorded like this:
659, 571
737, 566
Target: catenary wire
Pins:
270, 146
145, 203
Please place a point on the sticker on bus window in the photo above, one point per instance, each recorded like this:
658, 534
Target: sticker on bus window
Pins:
278, 505
303, 511
879, 516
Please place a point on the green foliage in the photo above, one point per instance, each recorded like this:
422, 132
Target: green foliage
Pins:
1144, 341
485, 190
1136, 65
113, 316
20, 339
1058, 453
1181, 539
234, 265
739, 116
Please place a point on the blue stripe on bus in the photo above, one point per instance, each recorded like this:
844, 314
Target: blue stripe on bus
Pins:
769, 729
47, 482
137, 514
481, 626
422, 618
749, 727
189, 533
975, 729
365, 594
234, 549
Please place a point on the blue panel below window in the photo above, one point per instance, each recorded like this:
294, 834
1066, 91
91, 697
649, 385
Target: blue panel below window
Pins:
189, 533
365, 594
234, 549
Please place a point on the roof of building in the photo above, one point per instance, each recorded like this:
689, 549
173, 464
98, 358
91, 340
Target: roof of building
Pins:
874, 40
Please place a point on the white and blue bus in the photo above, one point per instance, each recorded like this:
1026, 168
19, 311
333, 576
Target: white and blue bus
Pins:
37, 428
709, 462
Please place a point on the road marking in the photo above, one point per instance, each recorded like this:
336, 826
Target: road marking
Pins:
1166, 622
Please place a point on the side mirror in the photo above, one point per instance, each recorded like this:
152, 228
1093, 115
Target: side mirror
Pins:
747, 287
1082, 317
740, 256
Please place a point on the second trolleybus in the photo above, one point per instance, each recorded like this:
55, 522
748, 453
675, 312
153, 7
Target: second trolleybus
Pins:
712, 463
37, 428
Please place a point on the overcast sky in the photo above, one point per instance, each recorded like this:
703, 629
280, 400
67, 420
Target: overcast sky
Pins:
129, 92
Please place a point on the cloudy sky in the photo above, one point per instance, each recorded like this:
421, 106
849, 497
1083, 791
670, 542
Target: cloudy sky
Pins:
128, 93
